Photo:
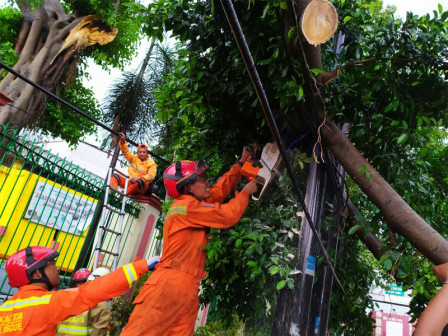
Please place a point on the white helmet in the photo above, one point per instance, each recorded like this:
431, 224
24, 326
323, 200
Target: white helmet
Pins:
99, 272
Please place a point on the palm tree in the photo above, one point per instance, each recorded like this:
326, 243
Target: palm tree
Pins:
130, 106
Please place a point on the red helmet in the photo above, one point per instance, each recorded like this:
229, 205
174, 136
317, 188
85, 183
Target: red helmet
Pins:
143, 146
182, 173
81, 275
23, 263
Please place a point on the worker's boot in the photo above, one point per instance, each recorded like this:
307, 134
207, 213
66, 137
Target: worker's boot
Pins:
141, 184
153, 189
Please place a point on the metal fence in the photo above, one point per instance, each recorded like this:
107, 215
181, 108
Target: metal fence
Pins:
49, 201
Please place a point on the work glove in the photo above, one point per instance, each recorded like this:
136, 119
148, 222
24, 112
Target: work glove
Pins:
152, 262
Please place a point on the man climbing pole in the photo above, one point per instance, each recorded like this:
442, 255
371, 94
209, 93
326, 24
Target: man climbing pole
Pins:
168, 301
142, 170
35, 310
93, 322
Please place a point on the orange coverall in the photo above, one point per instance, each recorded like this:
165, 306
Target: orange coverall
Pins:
146, 169
35, 311
168, 301
94, 322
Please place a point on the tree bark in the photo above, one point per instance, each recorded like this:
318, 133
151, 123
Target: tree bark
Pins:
41, 35
398, 214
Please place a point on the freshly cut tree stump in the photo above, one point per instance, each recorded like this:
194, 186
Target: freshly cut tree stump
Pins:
319, 21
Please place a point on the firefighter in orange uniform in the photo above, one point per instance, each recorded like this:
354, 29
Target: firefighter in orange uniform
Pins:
78, 322
35, 310
94, 322
142, 170
168, 301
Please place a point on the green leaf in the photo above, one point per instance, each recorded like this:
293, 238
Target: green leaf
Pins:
300, 91
419, 121
440, 8
360, 218
238, 242
353, 229
347, 18
283, 5
274, 270
383, 258
388, 264
265, 11
280, 284
179, 93
402, 138
274, 260
444, 16
317, 71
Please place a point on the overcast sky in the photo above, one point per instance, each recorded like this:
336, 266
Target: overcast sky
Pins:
416, 6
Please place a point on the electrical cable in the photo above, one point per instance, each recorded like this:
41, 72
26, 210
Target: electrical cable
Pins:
85, 115
296, 141
20, 109
253, 73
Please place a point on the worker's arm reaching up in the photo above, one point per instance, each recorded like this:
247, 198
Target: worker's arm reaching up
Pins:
221, 216
228, 181
124, 148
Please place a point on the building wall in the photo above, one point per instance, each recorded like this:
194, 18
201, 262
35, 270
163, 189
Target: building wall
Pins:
20, 229
391, 315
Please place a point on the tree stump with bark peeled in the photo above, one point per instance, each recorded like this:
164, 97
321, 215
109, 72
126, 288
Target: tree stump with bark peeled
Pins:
319, 21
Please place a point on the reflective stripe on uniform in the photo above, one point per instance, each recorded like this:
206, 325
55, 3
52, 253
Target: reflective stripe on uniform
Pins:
129, 272
138, 170
178, 210
23, 303
74, 330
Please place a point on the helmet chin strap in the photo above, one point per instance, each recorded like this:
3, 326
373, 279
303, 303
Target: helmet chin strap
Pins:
44, 279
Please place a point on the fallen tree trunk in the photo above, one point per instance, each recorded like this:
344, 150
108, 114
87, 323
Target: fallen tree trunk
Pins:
397, 213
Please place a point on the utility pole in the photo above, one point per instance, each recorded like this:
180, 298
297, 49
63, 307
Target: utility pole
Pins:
293, 309
320, 310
